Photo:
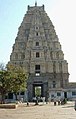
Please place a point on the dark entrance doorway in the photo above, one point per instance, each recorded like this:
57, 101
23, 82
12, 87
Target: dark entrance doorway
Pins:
38, 89
65, 94
10, 95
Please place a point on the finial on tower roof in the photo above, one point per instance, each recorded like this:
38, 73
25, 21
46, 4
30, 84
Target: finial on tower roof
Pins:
35, 3
43, 7
28, 7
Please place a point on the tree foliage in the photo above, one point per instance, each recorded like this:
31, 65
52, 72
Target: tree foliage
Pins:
12, 80
19, 78
5, 83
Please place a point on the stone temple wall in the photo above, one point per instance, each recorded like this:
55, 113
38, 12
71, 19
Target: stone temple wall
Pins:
37, 49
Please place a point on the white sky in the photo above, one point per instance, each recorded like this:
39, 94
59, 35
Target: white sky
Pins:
61, 12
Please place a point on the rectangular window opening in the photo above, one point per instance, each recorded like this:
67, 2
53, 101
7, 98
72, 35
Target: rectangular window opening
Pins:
37, 54
74, 93
37, 70
58, 94
37, 43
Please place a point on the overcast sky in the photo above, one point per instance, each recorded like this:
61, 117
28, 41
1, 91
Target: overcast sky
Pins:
62, 14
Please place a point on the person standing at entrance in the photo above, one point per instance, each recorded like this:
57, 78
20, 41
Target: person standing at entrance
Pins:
75, 105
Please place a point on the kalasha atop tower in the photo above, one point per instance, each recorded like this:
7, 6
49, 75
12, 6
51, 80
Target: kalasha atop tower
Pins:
37, 49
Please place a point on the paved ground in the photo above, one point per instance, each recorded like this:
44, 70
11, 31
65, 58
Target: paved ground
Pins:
46, 111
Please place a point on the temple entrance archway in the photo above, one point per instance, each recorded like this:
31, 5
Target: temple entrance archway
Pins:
37, 89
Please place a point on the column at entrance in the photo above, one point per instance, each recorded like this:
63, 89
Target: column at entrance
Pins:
30, 91
45, 91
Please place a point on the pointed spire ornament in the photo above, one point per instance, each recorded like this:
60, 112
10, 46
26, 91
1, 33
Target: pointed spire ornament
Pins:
35, 3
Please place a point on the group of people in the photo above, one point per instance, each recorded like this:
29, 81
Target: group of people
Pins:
62, 102
39, 99
59, 102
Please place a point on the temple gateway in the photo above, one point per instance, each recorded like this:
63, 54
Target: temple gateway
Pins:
37, 50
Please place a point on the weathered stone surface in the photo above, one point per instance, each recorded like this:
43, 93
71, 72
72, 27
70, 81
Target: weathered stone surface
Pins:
37, 45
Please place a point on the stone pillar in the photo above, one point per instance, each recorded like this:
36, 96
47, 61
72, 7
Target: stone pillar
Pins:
30, 91
45, 90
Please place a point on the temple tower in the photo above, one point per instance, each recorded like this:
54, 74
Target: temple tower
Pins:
38, 50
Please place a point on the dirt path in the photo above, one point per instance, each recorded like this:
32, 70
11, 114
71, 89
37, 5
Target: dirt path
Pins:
46, 111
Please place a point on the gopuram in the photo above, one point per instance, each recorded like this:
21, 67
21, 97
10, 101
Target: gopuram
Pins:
37, 50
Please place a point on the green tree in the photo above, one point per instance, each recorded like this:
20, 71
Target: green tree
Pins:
12, 79
5, 83
19, 79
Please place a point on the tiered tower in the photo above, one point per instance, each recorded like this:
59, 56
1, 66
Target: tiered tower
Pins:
37, 49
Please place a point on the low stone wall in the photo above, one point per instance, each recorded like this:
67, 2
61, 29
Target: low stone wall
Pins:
8, 106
